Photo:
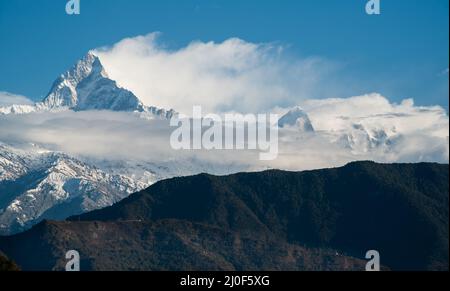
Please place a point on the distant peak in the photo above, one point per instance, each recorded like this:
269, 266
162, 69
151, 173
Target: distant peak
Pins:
86, 86
296, 117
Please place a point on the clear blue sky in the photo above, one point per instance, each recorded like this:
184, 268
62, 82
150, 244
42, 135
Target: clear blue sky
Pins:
401, 53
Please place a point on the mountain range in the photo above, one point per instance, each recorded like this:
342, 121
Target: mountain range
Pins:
38, 182
273, 220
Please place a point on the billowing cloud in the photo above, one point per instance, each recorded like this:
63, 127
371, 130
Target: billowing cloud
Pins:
365, 127
233, 75
8, 99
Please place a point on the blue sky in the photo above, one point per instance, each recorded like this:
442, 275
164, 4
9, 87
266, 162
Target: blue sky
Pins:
401, 53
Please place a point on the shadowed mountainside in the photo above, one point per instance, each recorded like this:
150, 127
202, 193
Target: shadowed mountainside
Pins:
273, 220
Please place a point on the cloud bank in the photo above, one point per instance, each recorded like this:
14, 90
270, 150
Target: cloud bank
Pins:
234, 75
378, 130
8, 99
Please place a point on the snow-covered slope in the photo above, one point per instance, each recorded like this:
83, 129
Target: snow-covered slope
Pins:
359, 139
12, 164
360, 135
37, 184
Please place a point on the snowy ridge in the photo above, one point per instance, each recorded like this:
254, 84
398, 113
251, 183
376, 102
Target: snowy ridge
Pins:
87, 86
355, 136
12, 165
36, 185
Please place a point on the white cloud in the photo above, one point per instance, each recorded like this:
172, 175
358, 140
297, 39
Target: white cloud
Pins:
114, 137
415, 134
234, 75
8, 99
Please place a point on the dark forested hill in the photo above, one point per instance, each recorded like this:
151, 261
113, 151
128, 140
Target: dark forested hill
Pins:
273, 220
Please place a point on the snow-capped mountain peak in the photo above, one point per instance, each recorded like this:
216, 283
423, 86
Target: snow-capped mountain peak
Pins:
87, 87
296, 117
